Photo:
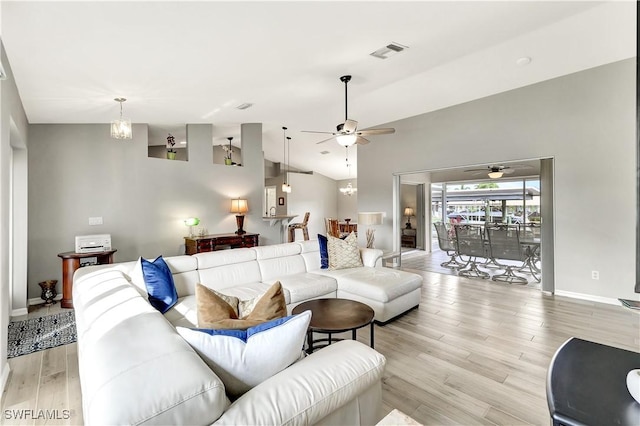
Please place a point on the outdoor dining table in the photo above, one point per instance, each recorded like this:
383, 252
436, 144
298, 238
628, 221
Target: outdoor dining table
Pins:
532, 252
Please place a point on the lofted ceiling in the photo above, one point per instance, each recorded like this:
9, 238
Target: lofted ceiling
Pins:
195, 62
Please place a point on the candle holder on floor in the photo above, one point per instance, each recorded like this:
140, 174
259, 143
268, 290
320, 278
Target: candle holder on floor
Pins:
48, 291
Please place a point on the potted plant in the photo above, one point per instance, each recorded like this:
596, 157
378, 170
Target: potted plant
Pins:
171, 152
228, 151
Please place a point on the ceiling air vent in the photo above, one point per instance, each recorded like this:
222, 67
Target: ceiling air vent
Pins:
389, 50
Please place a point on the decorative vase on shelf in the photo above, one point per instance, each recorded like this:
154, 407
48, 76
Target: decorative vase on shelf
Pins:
171, 155
48, 291
228, 162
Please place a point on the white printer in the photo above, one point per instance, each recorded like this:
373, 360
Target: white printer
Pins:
93, 243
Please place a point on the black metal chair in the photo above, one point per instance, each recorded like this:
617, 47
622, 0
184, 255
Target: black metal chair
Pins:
448, 245
470, 242
504, 243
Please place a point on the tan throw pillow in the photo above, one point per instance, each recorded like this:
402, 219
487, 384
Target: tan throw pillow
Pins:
343, 253
220, 311
213, 306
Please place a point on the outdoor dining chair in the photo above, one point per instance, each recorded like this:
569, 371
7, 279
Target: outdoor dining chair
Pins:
470, 242
448, 245
504, 243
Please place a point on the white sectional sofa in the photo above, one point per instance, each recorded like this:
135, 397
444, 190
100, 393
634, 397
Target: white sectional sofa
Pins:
136, 369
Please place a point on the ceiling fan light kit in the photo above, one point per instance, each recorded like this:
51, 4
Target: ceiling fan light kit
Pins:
347, 133
496, 172
346, 140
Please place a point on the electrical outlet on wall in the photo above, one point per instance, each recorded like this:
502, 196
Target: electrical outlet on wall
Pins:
595, 275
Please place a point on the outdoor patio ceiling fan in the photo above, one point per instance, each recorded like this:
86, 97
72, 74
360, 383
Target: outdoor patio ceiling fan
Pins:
496, 172
347, 133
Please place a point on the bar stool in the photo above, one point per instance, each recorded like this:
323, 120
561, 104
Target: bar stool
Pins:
301, 225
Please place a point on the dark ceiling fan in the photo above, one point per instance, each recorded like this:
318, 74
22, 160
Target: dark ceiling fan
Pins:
347, 133
497, 171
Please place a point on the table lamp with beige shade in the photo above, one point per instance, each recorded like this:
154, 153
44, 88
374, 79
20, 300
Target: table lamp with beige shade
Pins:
370, 219
240, 207
408, 212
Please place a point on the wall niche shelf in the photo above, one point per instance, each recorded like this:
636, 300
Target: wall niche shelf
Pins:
158, 142
221, 147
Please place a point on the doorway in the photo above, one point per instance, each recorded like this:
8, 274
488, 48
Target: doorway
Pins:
524, 195
270, 206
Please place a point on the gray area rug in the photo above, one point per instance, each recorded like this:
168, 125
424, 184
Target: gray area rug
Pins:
37, 334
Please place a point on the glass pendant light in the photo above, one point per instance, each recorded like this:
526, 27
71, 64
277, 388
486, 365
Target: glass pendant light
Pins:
285, 186
121, 129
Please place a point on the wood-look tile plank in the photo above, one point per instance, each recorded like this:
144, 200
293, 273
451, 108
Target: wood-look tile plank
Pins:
74, 394
24, 380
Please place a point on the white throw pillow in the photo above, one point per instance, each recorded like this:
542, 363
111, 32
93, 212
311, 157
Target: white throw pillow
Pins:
243, 359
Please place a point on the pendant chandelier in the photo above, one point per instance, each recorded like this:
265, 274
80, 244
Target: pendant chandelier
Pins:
349, 190
121, 129
285, 143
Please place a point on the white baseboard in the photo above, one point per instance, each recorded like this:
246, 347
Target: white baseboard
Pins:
589, 297
39, 301
5, 376
19, 312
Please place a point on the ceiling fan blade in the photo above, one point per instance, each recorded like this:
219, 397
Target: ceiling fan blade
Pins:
313, 131
362, 141
384, 131
326, 140
350, 126
477, 170
508, 170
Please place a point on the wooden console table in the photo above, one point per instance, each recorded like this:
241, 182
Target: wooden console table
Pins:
70, 263
207, 243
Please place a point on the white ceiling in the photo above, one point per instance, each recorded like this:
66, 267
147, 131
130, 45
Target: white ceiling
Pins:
195, 62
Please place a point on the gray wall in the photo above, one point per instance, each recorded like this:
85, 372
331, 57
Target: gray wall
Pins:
585, 121
77, 171
316, 194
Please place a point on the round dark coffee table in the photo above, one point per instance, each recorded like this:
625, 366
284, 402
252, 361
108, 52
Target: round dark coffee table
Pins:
329, 316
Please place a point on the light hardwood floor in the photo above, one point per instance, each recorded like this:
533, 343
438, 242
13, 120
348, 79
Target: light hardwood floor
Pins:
475, 352
44, 383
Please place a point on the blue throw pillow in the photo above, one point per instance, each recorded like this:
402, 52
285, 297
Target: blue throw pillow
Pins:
159, 282
324, 253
